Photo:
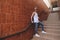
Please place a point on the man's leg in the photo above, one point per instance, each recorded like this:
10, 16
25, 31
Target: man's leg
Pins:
36, 30
36, 27
42, 26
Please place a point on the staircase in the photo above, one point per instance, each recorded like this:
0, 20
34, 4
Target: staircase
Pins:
52, 27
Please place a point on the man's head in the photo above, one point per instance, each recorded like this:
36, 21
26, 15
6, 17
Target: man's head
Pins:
35, 8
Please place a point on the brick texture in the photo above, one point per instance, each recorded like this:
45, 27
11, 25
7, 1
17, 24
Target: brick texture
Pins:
15, 15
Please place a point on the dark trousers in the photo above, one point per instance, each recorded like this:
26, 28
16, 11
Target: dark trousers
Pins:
40, 24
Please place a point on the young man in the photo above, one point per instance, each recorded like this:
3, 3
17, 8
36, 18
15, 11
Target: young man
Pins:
35, 20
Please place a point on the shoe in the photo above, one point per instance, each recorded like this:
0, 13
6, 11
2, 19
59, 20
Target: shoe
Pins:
43, 32
37, 35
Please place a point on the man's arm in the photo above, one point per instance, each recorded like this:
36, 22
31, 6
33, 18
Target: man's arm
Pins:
32, 17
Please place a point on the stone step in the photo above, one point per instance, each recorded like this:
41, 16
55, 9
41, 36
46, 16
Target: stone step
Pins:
52, 22
36, 38
50, 27
46, 37
53, 30
49, 36
49, 32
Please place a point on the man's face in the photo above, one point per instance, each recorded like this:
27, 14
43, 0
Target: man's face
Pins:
35, 8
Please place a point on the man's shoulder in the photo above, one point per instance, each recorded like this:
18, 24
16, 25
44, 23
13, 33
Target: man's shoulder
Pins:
34, 12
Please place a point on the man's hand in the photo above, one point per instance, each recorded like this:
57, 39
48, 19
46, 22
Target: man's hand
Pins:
32, 21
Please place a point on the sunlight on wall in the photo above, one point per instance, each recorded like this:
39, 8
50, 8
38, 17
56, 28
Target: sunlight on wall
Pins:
47, 2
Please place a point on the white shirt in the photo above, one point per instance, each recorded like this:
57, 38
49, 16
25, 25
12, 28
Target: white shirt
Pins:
36, 19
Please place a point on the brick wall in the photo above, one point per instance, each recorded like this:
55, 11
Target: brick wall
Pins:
15, 15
